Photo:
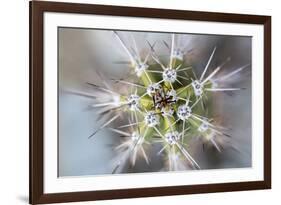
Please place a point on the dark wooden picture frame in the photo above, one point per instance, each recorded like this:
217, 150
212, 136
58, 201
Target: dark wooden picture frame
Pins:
37, 9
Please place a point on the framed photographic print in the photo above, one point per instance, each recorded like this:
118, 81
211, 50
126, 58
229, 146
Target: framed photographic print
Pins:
138, 102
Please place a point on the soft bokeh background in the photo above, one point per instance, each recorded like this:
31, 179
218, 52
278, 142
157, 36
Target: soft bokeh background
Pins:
83, 52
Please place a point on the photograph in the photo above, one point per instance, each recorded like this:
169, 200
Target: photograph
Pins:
148, 101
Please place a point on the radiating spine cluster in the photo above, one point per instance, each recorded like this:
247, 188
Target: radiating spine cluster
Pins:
168, 105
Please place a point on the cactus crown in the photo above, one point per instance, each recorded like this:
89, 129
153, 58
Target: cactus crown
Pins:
168, 104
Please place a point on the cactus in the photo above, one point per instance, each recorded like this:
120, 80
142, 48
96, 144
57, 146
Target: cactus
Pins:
168, 104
